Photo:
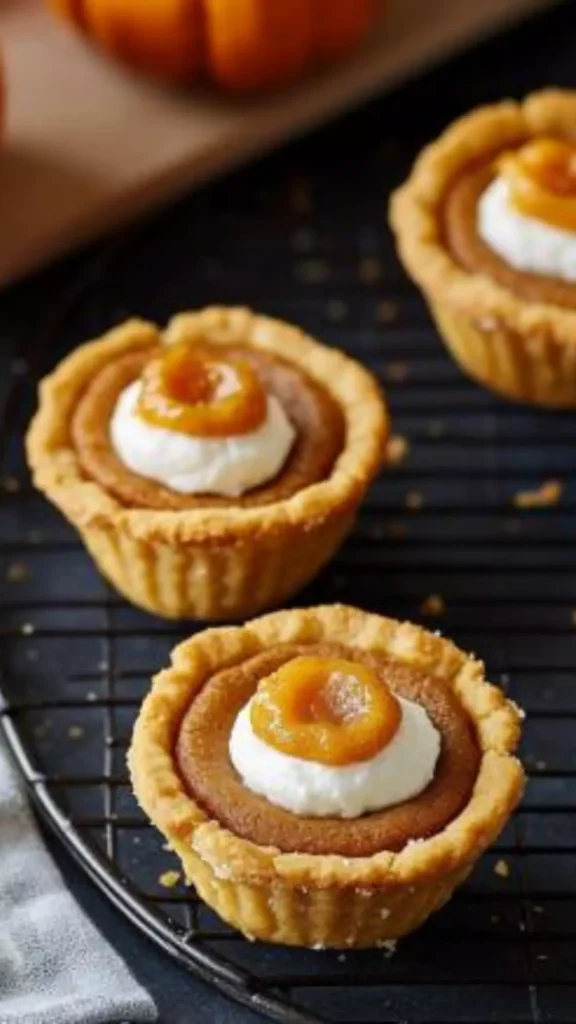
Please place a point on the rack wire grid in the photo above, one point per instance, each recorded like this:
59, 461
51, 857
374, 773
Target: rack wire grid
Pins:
302, 236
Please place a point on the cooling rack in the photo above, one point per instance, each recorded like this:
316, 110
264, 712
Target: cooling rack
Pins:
302, 236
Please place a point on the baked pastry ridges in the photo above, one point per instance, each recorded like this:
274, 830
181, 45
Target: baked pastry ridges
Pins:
211, 562
526, 350
297, 898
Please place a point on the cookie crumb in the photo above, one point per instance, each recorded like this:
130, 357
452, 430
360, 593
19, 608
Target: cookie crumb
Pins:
397, 449
538, 909
396, 529
385, 913
91, 696
303, 240
18, 367
11, 485
414, 500
434, 605
27, 628
542, 956
312, 271
494, 918
549, 493
301, 196
336, 310
512, 527
341, 958
16, 572
397, 371
541, 765
389, 947
75, 732
169, 879
436, 428
386, 312
369, 270
502, 869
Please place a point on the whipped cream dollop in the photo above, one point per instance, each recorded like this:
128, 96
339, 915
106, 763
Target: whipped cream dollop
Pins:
525, 243
228, 466
398, 772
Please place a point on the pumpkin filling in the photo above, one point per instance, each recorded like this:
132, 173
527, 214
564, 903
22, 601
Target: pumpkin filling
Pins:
339, 709
540, 182
210, 394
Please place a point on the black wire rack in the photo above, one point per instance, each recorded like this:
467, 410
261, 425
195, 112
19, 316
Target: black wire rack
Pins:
302, 236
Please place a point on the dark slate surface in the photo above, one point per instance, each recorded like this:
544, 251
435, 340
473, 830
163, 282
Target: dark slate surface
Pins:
298, 235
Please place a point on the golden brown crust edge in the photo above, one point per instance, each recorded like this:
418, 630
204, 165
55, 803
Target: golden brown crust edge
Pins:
57, 473
435, 864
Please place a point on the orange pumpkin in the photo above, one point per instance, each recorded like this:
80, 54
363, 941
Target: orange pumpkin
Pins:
240, 44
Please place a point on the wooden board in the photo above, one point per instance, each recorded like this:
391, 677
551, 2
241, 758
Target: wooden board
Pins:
90, 145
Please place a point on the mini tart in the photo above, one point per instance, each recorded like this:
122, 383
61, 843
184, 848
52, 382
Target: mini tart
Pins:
215, 559
324, 899
512, 331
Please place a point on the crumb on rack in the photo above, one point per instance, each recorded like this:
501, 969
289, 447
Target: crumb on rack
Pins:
312, 271
397, 449
386, 312
35, 536
512, 526
369, 270
301, 196
397, 371
336, 310
502, 868
18, 367
11, 485
541, 766
389, 946
16, 572
396, 529
27, 628
303, 240
168, 879
436, 428
434, 606
414, 500
76, 732
538, 909
549, 493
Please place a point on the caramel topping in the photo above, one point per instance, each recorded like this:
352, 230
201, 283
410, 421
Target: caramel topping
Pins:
329, 710
542, 179
199, 390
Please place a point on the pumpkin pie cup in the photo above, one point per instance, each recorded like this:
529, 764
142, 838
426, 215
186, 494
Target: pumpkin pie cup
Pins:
211, 562
321, 900
522, 347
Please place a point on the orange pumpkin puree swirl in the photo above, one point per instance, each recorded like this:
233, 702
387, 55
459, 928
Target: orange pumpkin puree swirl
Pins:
541, 177
196, 390
329, 710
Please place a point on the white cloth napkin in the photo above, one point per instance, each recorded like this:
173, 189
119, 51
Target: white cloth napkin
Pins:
55, 967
